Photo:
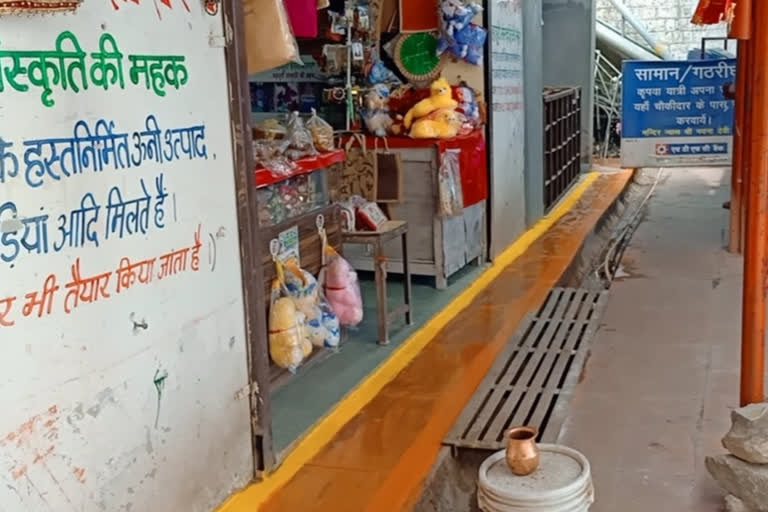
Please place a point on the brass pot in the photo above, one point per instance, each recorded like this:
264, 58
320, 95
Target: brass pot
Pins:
522, 450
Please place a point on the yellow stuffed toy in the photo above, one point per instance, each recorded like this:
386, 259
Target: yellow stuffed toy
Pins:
444, 124
441, 98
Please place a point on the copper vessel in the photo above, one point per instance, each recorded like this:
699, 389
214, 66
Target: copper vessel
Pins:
522, 450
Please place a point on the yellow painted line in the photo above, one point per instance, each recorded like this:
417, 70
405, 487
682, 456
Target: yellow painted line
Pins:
325, 429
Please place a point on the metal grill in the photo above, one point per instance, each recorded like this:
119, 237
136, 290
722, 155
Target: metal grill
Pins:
562, 142
532, 380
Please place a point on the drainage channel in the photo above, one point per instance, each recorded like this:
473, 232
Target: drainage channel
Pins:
533, 380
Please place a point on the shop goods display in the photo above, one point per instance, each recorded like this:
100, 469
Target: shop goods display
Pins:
321, 325
417, 58
381, 74
450, 191
297, 143
292, 197
359, 173
441, 97
303, 17
349, 208
371, 217
342, 289
468, 105
375, 112
458, 35
269, 154
389, 174
441, 124
288, 343
418, 16
321, 131
269, 40
269, 129
362, 215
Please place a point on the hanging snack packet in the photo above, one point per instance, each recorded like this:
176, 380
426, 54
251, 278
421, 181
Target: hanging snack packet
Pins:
322, 132
298, 140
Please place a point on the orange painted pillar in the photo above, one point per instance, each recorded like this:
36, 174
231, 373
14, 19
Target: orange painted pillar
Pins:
741, 29
746, 158
756, 247
740, 153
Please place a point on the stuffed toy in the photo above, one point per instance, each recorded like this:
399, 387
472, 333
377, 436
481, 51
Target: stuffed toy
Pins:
381, 74
458, 34
376, 110
287, 337
321, 324
444, 124
441, 97
343, 292
468, 104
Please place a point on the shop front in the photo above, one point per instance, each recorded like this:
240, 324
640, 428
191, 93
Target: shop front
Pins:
371, 181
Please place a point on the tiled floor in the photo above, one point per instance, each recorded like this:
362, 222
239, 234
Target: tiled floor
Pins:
663, 375
379, 459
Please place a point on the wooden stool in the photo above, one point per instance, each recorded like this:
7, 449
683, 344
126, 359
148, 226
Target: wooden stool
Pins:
376, 239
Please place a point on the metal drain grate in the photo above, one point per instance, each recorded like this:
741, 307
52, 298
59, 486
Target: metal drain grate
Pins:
532, 380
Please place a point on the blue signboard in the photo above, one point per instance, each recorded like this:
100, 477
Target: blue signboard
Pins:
675, 113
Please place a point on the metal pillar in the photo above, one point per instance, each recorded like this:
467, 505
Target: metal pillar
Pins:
626, 14
756, 246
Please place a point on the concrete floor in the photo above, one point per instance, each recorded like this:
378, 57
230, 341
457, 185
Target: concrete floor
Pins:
664, 371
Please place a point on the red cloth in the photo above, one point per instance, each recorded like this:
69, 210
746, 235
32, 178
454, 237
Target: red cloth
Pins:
472, 159
418, 15
711, 12
473, 163
303, 16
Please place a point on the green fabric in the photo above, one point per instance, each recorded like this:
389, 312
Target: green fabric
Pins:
418, 54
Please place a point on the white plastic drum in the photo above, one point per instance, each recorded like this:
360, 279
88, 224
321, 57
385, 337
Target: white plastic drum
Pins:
562, 483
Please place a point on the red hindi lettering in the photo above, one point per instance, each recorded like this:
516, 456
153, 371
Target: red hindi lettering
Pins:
5, 309
195, 264
85, 289
42, 301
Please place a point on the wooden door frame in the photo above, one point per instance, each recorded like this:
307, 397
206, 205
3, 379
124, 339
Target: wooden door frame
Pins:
250, 239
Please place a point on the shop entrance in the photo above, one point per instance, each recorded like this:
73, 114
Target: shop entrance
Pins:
366, 116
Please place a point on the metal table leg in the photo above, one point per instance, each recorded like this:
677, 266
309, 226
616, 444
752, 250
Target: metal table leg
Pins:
380, 264
407, 277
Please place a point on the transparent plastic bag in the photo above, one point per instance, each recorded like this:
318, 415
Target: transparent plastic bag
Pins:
322, 132
287, 337
298, 140
342, 289
451, 196
269, 129
321, 324
279, 165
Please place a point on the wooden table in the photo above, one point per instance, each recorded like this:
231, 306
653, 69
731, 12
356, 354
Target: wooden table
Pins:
439, 246
377, 239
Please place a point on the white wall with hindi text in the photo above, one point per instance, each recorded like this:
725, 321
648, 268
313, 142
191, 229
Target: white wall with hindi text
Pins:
122, 340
